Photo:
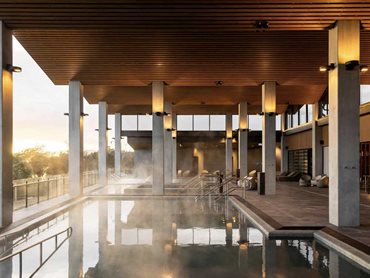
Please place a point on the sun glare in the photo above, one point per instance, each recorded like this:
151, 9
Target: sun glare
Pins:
50, 146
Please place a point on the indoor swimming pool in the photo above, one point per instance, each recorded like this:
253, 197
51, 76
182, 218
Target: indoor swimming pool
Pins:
162, 237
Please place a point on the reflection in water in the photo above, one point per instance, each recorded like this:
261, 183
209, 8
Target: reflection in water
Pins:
177, 238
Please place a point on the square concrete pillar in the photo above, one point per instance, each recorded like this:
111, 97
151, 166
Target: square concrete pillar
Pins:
117, 143
269, 135
6, 128
103, 143
229, 145
283, 147
243, 139
75, 153
344, 101
174, 147
168, 143
316, 146
158, 137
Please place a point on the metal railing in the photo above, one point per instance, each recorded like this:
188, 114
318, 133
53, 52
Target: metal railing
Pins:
42, 260
34, 191
10, 241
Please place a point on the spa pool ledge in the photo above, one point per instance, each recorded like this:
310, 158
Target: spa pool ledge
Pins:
43, 216
354, 254
270, 227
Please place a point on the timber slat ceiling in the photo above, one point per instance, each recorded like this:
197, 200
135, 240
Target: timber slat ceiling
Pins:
115, 44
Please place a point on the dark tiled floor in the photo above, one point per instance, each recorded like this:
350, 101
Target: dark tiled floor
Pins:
308, 206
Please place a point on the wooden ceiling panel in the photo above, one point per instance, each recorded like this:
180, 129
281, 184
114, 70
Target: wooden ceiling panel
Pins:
121, 46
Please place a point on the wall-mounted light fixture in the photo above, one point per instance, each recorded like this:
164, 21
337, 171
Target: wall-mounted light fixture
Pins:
267, 113
162, 113
351, 65
12, 68
174, 133
82, 114
364, 68
327, 67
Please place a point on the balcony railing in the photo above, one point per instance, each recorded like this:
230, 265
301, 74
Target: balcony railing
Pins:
34, 191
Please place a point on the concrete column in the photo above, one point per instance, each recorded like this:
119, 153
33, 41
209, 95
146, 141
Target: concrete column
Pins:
174, 147
75, 248
316, 146
103, 142
75, 154
6, 128
158, 137
117, 143
283, 147
344, 101
269, 253
117, 223
269, 136
243, 139
229, 145
168, 143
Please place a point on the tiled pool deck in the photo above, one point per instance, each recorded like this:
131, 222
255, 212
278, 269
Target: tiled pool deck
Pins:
306, 207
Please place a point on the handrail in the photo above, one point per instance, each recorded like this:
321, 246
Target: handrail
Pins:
23, 236
40, 243
217, 186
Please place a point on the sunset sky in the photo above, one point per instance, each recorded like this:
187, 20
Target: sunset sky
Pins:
39, 106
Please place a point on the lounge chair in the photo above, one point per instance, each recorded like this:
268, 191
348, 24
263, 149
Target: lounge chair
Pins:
305, 180
320, 181
292, 176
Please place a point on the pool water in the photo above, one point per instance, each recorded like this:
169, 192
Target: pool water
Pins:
166, 238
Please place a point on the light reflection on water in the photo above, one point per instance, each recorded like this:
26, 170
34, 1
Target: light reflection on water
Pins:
170, 238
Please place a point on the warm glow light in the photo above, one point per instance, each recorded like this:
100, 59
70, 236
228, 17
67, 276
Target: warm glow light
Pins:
364, 68
168, 248
49, 146
158, 96
243, 246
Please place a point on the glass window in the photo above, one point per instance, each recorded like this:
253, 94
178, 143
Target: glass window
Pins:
235, 122
129, 122
365, 94
145, 122
255, 122
302, 115
309, 109
295, 119
201, 122
287, 119
184, 122
218, 122
278, 122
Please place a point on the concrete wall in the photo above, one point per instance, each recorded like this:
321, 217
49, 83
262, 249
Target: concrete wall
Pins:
214, 159
302, 140
185, 159
255, 159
